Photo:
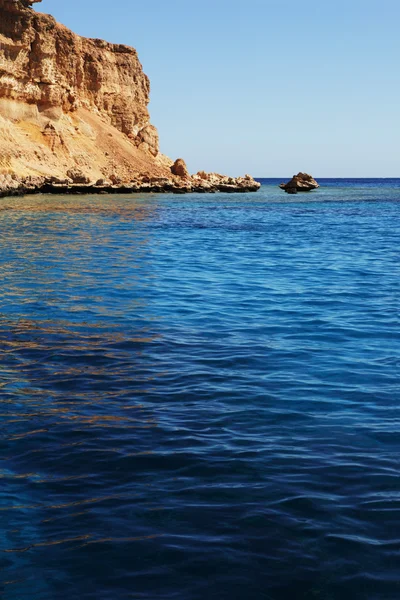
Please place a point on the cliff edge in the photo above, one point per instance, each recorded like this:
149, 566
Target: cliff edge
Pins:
73, 112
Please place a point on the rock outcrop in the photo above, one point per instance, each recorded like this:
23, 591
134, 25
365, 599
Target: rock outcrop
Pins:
74, 110
179, 169
302, 182
78, 183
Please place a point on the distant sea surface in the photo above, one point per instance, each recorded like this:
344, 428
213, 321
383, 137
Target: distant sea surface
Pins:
200, 395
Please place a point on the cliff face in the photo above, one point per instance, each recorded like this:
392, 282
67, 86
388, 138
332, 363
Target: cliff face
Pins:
71, 105
67, 101
43, 64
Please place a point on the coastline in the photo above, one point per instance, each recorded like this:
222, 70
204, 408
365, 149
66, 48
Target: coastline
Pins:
10, 186
69, 125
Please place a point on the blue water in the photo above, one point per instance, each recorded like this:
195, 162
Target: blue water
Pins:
199, 395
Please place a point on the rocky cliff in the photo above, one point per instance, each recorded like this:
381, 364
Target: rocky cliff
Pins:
72, 110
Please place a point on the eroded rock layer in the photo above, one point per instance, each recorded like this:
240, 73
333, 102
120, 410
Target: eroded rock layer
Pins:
71, 104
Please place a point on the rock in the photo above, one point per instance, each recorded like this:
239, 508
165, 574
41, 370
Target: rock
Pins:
115, 180
48, 67
58, 180
179, 169
147, 140
78, 176
302, 182
16, 5
78, 106
77, 92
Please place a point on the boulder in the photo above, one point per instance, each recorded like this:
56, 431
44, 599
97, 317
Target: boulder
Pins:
78, 176
115, 180
302, 182
179, 169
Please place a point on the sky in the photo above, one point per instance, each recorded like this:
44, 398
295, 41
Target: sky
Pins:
267, 87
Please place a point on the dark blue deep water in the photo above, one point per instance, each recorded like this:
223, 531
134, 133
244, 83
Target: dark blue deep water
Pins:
199, 395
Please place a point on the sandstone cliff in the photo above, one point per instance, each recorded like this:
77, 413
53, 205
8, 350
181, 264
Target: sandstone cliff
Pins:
72, 110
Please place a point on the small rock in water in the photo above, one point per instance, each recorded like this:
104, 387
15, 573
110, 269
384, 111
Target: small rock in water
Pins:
302, 182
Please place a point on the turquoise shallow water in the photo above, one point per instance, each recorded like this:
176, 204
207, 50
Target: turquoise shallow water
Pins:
199, 395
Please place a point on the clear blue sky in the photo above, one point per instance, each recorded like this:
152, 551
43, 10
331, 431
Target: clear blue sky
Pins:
268, 87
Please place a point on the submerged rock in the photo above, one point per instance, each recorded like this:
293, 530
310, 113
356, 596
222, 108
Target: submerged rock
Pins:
302, 182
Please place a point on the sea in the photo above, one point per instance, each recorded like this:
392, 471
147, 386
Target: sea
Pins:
200, 395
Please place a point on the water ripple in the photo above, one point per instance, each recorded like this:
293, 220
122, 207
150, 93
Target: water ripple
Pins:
200, 397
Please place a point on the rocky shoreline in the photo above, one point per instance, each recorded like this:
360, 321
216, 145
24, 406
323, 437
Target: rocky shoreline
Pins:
10, 185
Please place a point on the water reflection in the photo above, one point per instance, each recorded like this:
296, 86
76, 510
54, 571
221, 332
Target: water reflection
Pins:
199, 397
76, 332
